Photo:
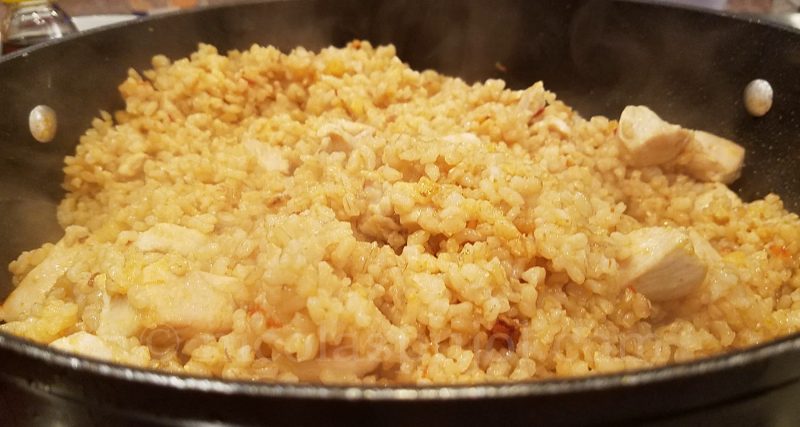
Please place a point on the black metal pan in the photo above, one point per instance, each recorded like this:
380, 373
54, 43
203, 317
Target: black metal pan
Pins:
599, 56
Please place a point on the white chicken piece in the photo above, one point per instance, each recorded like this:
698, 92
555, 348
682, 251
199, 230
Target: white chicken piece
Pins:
711, 158
269, 158
650, 140
85, 344
201, 302
344, 135
226, 284
718, 194
37, 283
165, 237
663, 264
703, 249
330, 368
468, 139
118, 318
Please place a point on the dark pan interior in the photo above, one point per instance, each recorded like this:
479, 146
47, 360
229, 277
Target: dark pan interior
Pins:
598, 56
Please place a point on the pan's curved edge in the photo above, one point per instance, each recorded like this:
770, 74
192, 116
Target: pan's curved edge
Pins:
625, 379
739, 16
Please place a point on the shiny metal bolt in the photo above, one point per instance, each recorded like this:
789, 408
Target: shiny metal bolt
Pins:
43, 123
758, 97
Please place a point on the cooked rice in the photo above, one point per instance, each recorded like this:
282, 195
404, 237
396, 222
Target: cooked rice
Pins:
340, 217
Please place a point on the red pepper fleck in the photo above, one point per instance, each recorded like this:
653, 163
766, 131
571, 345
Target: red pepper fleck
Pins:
250, 82
273, 322
780, 251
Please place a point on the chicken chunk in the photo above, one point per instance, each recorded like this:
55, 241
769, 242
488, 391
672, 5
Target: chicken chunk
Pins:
343, 135
269, 158
117, 318
703, 249
37, 283
199, 302
331, 368
711, 158
663, 265
165, 237
85, 344
650, 140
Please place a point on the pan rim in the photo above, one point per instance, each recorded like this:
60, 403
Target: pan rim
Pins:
625, 379
405, 392
24, 52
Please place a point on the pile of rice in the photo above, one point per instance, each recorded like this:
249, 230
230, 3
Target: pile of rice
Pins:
340, 217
